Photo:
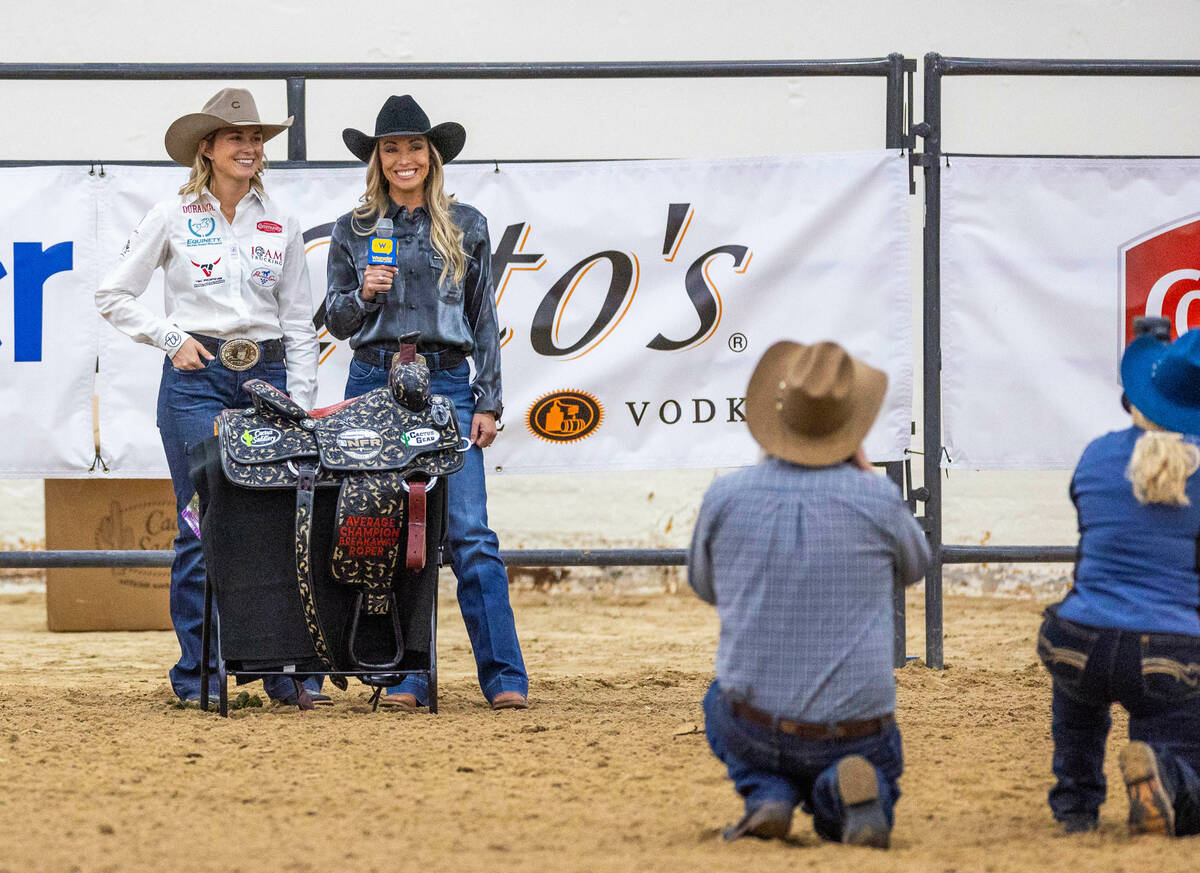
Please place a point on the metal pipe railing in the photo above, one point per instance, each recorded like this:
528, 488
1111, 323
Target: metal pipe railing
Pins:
503, 70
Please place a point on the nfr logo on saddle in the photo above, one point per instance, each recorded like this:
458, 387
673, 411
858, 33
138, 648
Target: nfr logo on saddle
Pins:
316, 527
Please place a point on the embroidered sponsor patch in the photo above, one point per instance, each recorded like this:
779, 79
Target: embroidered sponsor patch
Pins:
193, 208
360, 443
270, 227
264, 277
258, 437
422, 436
173, 339
203, 227
208, 278
270, 255
564, 416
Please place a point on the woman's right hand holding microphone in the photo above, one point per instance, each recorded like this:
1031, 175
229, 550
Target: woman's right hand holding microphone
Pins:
377, 280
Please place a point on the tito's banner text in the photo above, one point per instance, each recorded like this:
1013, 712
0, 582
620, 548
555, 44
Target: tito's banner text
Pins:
634, 299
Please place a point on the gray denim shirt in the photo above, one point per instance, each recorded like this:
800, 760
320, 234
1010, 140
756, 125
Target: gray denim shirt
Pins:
450, 315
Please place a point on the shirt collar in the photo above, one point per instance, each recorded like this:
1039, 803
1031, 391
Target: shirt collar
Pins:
397, 211
260, 196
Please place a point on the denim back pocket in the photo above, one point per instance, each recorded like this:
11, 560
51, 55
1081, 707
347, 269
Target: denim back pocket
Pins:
1171, 667
1064, 647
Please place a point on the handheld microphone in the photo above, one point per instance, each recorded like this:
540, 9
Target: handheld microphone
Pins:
382, 249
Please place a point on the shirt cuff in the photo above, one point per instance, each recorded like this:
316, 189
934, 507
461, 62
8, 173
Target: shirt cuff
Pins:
173, 340
366, 305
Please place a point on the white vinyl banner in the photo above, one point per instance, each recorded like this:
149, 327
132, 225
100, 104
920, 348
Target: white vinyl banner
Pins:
1045, 264
48, 262
634, 299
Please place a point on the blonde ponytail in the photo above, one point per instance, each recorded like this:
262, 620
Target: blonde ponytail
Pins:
1161, 464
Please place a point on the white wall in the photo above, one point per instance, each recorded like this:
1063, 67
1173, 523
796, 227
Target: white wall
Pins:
612, 119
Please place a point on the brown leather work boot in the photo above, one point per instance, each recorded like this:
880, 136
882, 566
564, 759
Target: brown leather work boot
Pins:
863, 821
402, 702
1151, 810
510, 700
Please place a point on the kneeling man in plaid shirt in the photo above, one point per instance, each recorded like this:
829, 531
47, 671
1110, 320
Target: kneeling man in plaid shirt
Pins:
801, 554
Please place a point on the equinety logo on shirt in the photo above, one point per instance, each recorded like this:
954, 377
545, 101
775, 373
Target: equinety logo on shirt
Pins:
203, 231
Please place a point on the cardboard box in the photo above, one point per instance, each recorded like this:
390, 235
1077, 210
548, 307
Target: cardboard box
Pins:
109, 514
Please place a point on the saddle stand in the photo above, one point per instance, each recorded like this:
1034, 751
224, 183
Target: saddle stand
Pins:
323, 520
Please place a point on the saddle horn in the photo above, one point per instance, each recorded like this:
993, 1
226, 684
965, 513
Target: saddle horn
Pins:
408, 378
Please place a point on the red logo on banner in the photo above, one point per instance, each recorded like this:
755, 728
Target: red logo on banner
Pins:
270, 227
1160, 275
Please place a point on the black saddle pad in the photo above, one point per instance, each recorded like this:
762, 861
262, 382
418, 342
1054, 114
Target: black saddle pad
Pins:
248, 539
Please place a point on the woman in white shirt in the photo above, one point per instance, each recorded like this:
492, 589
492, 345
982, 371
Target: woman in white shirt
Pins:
237, 307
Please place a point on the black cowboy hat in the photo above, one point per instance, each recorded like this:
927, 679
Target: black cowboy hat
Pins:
401, 116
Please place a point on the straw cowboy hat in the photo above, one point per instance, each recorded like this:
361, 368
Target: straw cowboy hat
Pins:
229, 107
1163, 380
812, 405
401, 116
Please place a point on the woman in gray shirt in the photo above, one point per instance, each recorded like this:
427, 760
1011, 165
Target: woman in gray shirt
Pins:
440, 287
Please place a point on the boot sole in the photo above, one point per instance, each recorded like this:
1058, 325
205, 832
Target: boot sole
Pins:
771, 821
1150, 809
864, 823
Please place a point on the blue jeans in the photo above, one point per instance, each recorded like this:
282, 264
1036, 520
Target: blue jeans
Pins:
1154, 676
188, 403
474, 548
767, 765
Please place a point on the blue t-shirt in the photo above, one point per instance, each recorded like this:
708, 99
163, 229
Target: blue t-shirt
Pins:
1138, 564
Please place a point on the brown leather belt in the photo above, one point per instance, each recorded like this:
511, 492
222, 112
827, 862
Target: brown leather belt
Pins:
377, 356
838, 730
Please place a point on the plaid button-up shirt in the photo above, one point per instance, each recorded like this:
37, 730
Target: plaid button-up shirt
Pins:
801, 563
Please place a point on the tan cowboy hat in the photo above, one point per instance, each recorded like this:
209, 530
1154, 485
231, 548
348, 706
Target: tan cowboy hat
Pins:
229, 107
812, 405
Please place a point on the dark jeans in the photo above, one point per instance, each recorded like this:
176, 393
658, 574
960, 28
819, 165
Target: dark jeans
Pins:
188, 403
474, 547
1156, 677
768, 765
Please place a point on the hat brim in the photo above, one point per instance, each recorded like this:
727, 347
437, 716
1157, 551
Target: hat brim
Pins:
184, 135
1137, 371
767, 426
448, 138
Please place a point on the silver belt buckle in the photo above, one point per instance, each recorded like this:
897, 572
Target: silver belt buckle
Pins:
239, 354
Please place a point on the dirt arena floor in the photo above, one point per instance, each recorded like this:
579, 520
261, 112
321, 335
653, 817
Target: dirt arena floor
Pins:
608, 771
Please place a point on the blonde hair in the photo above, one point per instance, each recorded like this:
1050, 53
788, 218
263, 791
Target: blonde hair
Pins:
1161, 464
445, 235
202, 172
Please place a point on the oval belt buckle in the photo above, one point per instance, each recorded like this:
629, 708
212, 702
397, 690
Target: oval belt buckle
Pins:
239, 354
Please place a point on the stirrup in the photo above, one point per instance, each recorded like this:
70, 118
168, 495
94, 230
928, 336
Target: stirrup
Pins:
398, 635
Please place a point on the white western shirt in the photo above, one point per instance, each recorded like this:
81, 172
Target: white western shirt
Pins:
245, 280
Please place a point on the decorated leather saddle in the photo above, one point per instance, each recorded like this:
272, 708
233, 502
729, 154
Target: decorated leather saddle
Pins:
382, 451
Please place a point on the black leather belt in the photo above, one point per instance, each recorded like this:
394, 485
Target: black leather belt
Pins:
445, 359
838, 730
269, 351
